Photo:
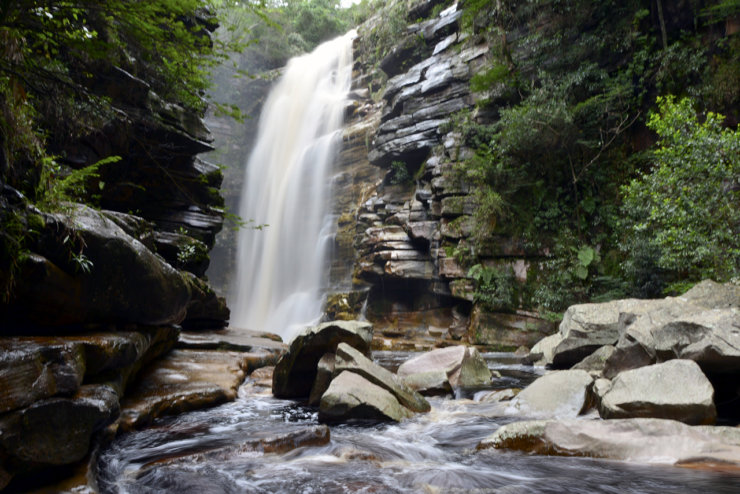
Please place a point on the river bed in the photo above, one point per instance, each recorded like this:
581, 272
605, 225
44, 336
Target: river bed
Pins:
204, 452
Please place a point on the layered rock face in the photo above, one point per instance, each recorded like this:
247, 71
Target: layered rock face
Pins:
401, 205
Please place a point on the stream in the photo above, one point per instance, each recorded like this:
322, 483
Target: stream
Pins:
204, 452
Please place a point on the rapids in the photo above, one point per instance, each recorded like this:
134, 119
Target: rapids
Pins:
200, 452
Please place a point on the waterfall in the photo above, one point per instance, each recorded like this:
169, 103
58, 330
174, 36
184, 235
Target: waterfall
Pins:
281, 268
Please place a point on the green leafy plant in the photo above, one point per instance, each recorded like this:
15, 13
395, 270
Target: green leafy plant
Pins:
686, 206
495, 287
400, 173
56, 188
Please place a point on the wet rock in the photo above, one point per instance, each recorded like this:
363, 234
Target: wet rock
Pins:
295, 372
636, 440
55, 431
34, 369
205, 310
350, 396
324, 372
674, 390
349, 359
497, 396
561, 394
182, 251
126, 282
240, 340
184, 380
317, 435
445, 369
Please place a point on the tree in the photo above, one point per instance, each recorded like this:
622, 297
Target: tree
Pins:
687, 207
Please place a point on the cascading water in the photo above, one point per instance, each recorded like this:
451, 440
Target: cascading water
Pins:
281, 267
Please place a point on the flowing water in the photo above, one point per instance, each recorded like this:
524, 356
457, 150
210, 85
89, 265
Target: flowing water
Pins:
281, 266
204, 452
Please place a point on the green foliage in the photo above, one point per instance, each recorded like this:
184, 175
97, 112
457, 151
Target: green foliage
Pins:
494, 75
284, 29
400, 174
568, 95
686, 207
495, 288
388, 28
56, 188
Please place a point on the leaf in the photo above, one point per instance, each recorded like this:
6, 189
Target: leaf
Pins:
581, 272
586, 256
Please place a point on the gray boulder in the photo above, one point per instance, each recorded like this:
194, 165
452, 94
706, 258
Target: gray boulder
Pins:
710, 337
445, 369
350, 396
324, 372
638, 440
587, 327
596, 362
700, 325
347, 358
561, 394
295, 372
675, 390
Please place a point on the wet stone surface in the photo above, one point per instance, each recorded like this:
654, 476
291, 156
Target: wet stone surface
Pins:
204, 451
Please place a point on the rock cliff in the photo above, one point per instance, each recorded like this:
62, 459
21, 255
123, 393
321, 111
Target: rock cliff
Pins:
91, 296
402, 207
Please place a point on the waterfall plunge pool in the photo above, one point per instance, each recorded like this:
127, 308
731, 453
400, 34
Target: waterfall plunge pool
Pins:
203, 452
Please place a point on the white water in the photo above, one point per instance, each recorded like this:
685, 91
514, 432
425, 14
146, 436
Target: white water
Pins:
281, 269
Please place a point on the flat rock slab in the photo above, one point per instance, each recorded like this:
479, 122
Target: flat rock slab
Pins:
186, 380
559, 394
676, 390
637, 440
241, 340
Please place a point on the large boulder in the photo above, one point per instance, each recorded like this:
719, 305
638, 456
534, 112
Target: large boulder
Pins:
347, 358
351, 396
443, 370
587, 327
561, 394
99, 275
675, 390
55, 431
205, 310
324, 373
701, 325
638, 440
596, 362
295, 372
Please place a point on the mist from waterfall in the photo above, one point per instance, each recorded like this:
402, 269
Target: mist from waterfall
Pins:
281, 268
